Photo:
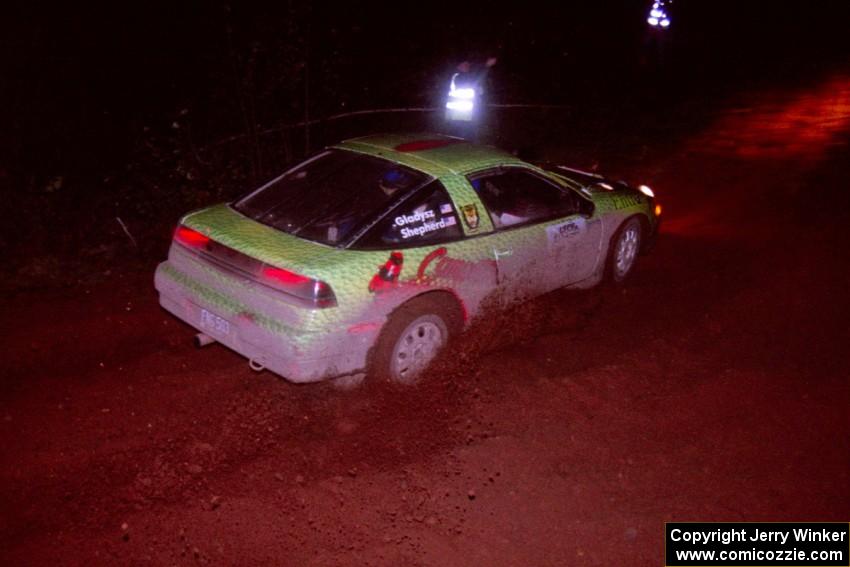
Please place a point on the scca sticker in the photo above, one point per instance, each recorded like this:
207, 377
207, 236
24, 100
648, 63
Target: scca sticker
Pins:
564, 231
470, 215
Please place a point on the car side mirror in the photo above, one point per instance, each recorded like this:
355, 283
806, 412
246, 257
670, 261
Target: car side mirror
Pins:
586, 208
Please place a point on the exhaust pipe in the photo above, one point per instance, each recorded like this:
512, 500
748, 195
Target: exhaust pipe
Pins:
202, 340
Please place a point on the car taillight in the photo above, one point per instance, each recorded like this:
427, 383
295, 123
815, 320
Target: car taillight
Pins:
284, 277
315, 292
191, 238
312, 292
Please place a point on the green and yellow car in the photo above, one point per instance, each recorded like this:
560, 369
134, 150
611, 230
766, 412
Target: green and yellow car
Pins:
367, 257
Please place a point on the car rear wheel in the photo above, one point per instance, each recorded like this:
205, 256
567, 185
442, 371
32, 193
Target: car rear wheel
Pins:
412, 337
624, 250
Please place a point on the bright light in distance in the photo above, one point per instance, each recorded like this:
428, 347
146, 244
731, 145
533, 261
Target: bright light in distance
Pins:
646, 191
658, 15
467, 93
462, 105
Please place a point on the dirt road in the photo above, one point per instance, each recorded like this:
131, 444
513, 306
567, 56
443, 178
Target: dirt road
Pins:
713, 387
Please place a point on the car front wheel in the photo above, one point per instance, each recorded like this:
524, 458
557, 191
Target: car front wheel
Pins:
624, 250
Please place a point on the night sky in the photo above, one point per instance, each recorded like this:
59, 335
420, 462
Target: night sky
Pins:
84, 79
144, 108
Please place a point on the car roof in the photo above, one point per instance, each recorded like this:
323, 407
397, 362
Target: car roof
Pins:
435, 154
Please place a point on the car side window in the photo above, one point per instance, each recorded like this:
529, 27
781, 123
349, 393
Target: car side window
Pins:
514, 197
428, 217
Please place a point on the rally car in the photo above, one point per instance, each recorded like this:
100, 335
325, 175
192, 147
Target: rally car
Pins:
367, 257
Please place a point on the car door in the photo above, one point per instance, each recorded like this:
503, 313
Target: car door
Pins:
427, 249
573, 246
543, 239
575, 241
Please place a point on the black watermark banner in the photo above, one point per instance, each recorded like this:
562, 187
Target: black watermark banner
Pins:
740, 544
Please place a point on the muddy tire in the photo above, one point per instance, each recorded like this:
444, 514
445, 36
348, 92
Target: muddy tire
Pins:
413, 336
623, 251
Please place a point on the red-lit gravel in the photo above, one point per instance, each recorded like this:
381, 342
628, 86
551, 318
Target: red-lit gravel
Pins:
565, 432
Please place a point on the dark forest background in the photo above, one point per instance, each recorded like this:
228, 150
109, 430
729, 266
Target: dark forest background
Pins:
119, 117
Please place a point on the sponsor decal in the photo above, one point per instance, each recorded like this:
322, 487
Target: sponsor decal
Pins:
420, 223
424, 228
559, 233
470, 215
433, 255
388, 274
446, 208
417, 217
440, 266
626, 201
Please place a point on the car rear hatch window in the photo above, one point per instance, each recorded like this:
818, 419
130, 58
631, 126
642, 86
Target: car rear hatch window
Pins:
328, 197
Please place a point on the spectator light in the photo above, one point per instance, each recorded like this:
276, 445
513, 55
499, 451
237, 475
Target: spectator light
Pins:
461, 105
465, 93
658, 16
460, 98
460, 102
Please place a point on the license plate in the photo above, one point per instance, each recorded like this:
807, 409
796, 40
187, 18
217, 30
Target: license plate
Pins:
214, 323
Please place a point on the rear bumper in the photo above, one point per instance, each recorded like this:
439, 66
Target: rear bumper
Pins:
255, 331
